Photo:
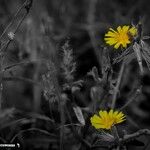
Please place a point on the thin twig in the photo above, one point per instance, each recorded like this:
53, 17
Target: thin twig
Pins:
114, 98
127, 138
5, 46
27, 5
137, 134
12, 21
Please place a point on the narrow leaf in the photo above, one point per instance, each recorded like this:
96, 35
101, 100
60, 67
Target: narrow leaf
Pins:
79, 115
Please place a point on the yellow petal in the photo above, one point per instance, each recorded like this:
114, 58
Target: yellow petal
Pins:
112, 30
119, 29
125, 28
133, 31
95, 119
117, 46
120, 37
107, 119
110, 34
124, 45
110, 41
111, 113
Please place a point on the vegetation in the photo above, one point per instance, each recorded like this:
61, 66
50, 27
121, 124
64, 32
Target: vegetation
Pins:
74, 75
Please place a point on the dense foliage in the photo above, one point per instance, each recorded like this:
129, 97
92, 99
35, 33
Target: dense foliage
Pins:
65, 83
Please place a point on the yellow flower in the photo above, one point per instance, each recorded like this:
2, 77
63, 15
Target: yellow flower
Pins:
121, 37
105, 120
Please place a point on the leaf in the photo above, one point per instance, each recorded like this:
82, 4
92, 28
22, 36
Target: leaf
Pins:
146, 37
96, 93
129, 58
76, 86
137, 51
146, 53
94, 74
79, 115
106, 137
105, 140
125, 54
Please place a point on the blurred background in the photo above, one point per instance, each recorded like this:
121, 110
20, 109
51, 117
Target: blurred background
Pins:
41, 37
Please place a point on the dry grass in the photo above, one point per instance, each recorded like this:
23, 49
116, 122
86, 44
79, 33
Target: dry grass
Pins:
56, 72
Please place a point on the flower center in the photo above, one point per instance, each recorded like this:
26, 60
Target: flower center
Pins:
109, 123
122, 37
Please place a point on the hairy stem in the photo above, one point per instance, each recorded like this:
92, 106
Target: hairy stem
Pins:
114, 98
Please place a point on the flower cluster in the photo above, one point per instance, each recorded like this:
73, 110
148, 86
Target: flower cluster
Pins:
121, 37
106, 120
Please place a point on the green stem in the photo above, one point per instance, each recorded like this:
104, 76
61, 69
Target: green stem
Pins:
114, 98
